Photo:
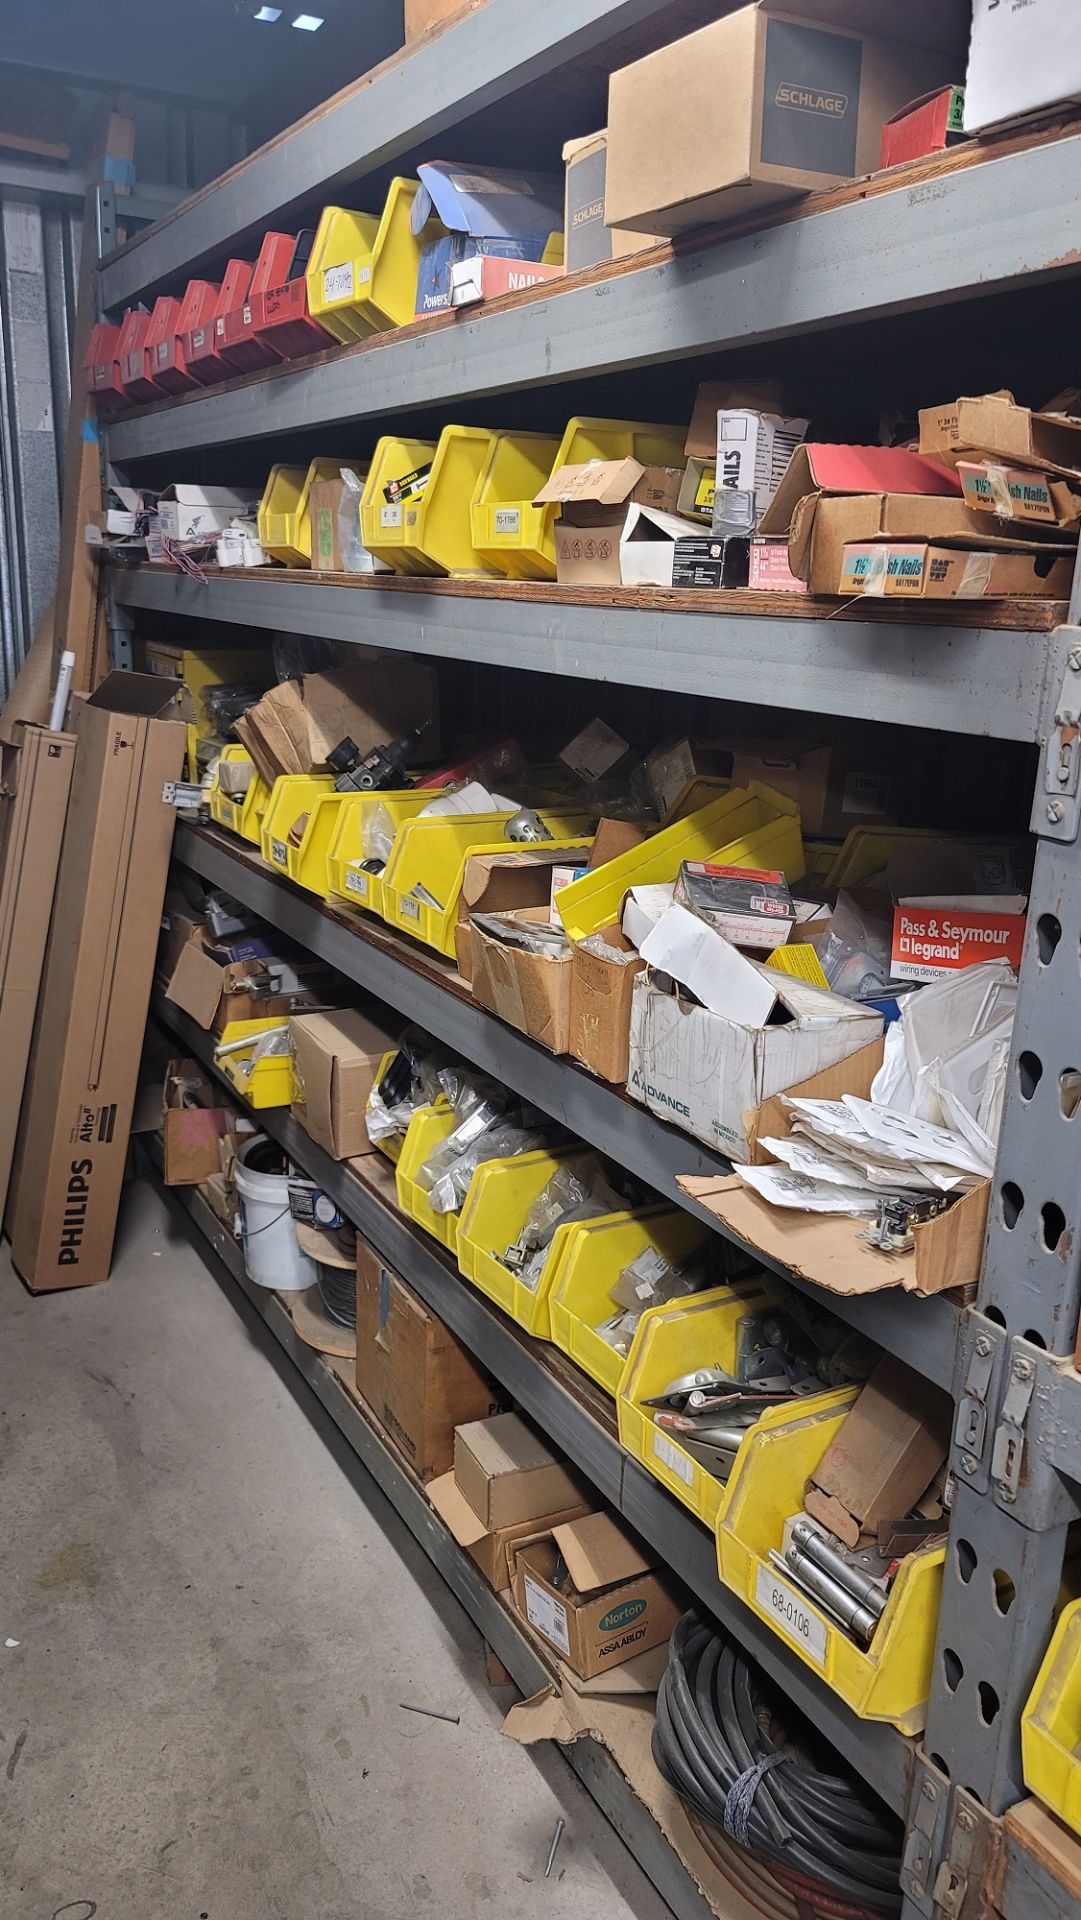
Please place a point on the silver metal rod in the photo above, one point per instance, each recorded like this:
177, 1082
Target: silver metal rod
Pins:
431, 1713
854, 1579
556, 1838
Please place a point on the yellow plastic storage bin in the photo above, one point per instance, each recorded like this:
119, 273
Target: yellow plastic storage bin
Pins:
243, 816
346, 879
1051, 1723
495, 1212
585, 439
290, 797
504, 522
263, 1083
285, 526
427, 1128
429, 531
578, 1300
431, 854
362, 274
703, 1331
751, 826
889, 1680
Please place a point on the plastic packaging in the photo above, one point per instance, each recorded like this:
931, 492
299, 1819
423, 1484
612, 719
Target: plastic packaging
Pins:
573, 1193
488, 1126
855, 954
649, 1280
410, 1081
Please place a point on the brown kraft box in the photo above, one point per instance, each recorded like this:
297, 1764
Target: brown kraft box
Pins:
98, 971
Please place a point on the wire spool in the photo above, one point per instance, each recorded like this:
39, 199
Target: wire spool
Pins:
727, 1742
338, 1292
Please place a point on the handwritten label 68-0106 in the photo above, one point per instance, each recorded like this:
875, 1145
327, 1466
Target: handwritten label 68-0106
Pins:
791, 1614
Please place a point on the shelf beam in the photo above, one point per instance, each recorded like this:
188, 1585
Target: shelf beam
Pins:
955, 236
967, 680
922, 1332
403, 104
878, 1753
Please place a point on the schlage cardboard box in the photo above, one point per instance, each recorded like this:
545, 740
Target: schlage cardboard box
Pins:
98, 971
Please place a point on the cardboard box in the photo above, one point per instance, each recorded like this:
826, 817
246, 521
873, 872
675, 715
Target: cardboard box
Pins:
715, 396
193, 1125
613, 1604
711, 561
295, 725
187, 512
587, 242
753, 454
594, 502
602, 983
480, 211
651, 545
920, 570
822, 527
422, 15
336, 1060
96, 989
828, 1248
750, 909
1022, 61
753, 110
993, 424
826, 470
417, 1378
530, 991
213, 994
955, 903
704, 1070
486, 276
508, 1473
772, 1119
928, 125
698, 490
324, 499
892, 1444
1019, 493
768, 569
35, 780
488, 1547
181, 920
836, 787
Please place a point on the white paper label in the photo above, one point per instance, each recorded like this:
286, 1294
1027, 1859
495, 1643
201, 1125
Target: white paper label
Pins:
791, 1614
357, 883
673, 1457
547, 1615
411, 908
279, 853
508, 520
364, 276
338, 282
245, 314
390, 516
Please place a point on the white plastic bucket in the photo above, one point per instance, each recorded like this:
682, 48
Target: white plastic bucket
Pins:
271, 1254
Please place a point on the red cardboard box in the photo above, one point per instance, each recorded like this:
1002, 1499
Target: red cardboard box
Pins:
928, 125
485, 277
171, 370
768, 566
953, 906
201, 345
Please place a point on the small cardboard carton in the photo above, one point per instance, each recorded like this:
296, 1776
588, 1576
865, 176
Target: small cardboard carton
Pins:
489, 1547
417, 1378
754, 450
1019, 493
530, 991
717, 396
213, 994
187, 512
479, 210
955, 904
336, 1060
182, 919
650, 546
603, 972
96, 986
823, 527
587, 242
324, 500
594, 501
508, 1473
377, 696
704, 1068
1022, 61
755, 109
885, 1456
749, 908
193, 1125
35, 781
486, 276
612, 1605
768, 569
825, 471
993, 424
921, 570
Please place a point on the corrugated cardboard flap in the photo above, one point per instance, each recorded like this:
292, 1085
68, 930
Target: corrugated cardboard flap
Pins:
599, 1553
455, 1511
603, 483
146, 695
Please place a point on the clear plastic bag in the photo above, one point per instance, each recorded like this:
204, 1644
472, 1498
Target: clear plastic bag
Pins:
577, 1191
494, 1142
411, 1081
856, 954
649, 1280
377, 835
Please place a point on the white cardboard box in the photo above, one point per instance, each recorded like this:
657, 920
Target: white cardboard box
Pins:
647, 545
706, 1072
1023, 60
199, 513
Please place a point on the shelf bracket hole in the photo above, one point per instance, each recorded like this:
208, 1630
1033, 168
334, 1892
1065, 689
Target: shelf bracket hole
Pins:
1035, 1338
1069, 1091
953, 1669
967, 1561
1029, 1072
989, 1702
1012, 1202
1048, 935
1054, 1224
1005, 1591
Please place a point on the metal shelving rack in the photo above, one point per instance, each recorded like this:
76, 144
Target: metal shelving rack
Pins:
964, 231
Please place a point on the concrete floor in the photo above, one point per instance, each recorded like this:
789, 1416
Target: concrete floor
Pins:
215, 1626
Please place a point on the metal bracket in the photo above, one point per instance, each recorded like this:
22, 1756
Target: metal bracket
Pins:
970, 1431
1056, 811
975, 1844
1008, 1452
925, 1841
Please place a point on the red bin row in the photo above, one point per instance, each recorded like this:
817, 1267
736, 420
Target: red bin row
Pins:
257, 317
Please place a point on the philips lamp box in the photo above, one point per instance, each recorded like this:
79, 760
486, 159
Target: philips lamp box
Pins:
1023, 60
98, 970
751, 111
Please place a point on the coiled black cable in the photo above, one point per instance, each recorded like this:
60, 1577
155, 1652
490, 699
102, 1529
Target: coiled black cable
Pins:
712, 1731
338, 1292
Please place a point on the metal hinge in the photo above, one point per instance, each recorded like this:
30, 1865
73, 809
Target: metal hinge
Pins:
184, 795
1057, 807
1008, 1452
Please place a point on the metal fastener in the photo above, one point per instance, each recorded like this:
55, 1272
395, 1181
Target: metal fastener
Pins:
966, 1820
983, 1345
1055, 811
969, 1463
917, 1889
1023, 1369
929, 1791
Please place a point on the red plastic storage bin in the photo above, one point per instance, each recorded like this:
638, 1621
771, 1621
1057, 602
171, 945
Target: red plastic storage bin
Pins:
101, 367
130, 350
138, 369
170, 368
202, 353
238, 339
280, 316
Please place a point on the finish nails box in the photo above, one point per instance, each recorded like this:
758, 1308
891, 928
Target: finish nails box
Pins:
98, 969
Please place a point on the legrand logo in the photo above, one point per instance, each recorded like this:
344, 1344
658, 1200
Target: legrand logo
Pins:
622, 1615
812, 100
